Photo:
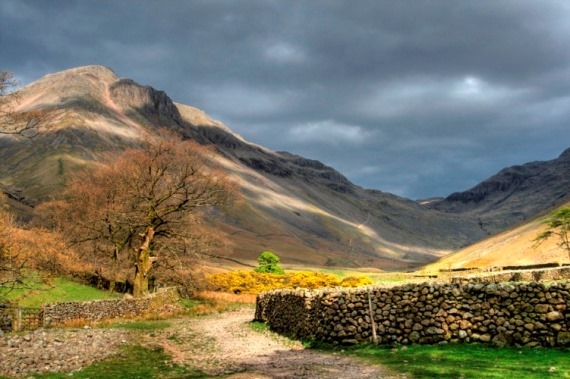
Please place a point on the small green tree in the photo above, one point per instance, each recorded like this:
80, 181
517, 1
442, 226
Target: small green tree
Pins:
269, 263
558, 224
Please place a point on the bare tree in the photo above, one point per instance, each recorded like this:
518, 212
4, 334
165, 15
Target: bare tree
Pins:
147, 202
91, 215
11, 121
558, 224
7, 82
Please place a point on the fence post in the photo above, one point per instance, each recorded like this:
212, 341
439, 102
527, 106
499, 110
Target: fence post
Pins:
374, 337
16, 326
43, 314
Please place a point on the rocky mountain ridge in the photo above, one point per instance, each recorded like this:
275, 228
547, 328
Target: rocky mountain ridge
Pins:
514, 194
306, 212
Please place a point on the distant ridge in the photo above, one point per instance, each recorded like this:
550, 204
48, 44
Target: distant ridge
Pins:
514, 194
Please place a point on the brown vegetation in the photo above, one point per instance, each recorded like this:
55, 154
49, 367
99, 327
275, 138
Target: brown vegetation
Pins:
29, 256
144, 208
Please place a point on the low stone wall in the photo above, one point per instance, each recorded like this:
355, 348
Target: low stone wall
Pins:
94, 311
56, 314
536, 275
530, 314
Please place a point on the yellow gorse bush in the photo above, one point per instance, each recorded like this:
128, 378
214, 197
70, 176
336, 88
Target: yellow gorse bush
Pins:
251, 282
355, 281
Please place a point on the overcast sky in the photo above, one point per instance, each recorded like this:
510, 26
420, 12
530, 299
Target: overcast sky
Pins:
417, 98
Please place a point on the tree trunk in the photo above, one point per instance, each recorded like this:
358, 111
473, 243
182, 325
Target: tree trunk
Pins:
115, 269
143, 264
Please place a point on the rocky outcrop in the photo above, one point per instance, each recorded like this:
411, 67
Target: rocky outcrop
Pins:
313, 170
506, 181
286, 165
16, 194
154, 106
522, 314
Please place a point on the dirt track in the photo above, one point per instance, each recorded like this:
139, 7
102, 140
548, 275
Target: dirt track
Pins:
225, 345
221, 345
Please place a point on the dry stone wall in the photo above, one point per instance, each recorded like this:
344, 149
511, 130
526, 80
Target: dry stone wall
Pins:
62, 313
57, 314
536, 275
529, 314
94, 311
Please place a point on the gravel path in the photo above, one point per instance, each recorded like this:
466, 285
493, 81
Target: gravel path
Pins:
57, 350
225, 344
220, 345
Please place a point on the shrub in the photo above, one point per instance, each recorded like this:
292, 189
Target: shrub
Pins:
355, 281
245, 282
251, 282
269, 263
312, 280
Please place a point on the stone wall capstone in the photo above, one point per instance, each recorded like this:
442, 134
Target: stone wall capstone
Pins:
522, 314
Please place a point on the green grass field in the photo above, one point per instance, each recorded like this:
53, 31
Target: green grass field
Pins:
131, 363
470, 361
58, 290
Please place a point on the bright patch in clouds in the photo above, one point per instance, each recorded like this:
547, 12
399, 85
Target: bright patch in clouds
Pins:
473, 89
419, 95
327, 132
284, 53
470, 86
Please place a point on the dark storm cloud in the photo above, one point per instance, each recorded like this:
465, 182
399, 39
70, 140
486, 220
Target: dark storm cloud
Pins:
418, 98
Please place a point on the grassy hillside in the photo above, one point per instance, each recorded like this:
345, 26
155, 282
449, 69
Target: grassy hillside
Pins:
515, 246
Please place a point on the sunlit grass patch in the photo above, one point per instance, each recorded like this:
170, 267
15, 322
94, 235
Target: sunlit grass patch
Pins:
470, 361
58, 290
133, 362
258, 326
142, 325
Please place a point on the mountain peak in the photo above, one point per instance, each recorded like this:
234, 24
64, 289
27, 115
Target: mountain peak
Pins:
75, 86
101, 72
